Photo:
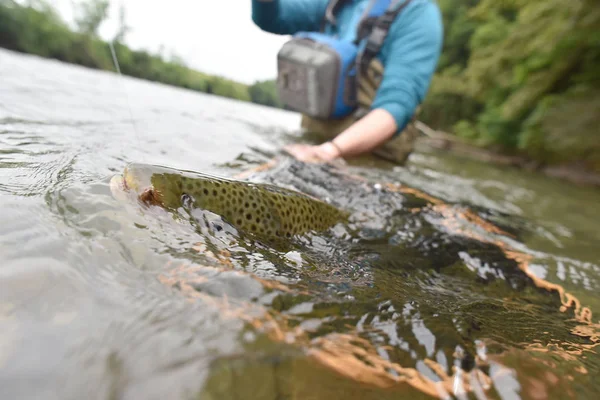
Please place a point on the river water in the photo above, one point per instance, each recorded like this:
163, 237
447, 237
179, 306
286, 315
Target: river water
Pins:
454, 279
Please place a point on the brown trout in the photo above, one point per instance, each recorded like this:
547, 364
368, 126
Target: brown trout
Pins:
265, 210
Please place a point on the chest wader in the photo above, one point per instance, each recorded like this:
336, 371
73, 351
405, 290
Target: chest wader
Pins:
397, 149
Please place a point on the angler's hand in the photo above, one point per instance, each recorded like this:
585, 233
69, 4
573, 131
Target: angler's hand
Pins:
315, 154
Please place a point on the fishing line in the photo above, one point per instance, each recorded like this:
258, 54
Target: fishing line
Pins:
118, 68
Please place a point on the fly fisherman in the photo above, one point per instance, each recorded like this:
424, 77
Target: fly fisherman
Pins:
357, 70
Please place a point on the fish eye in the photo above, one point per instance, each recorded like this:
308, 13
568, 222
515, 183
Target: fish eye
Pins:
187, 200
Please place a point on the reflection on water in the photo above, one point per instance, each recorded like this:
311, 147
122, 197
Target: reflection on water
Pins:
450, 279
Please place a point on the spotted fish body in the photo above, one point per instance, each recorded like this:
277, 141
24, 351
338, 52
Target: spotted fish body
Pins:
262, 209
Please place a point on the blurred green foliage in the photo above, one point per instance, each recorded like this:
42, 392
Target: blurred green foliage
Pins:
518, 76
522, 77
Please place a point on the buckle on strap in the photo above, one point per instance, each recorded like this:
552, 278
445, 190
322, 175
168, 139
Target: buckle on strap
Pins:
329, 17
388, 17
376, 39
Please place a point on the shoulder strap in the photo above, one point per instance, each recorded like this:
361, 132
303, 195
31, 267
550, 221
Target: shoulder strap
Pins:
375, 9
377, 34
332, 8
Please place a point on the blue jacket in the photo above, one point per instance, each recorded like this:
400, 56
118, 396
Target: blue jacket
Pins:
409, 55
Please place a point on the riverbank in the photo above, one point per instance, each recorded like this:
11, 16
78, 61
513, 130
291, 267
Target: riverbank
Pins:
39, 30
442, 141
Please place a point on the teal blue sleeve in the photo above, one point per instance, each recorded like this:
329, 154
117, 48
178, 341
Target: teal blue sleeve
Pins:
286, 17
410, 56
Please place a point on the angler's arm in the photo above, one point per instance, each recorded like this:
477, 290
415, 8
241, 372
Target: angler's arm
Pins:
411, 57
286, 17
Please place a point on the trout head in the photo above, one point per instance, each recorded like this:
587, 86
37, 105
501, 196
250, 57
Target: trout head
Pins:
151, 185
171, 188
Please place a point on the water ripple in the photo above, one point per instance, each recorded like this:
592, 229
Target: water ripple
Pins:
450, 279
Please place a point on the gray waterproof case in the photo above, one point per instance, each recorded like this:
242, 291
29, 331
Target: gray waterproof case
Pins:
303, 64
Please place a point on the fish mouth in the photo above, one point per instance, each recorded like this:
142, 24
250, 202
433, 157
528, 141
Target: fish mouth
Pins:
151, 197
121, 190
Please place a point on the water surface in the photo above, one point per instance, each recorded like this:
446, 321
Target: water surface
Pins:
452, 278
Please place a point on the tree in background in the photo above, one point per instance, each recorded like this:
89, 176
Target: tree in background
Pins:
123, 29
447, 101
522, 78
90, 14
